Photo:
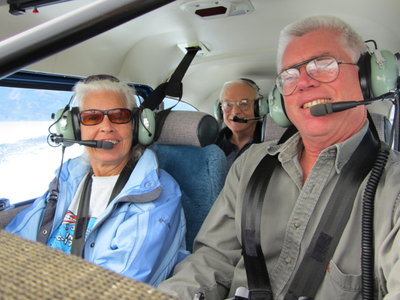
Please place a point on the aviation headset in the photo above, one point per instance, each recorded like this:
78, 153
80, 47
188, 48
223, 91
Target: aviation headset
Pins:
260, 105
378, 73
68, 126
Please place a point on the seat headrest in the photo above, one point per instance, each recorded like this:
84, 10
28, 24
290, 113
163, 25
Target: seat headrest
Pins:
192, 128
271, 130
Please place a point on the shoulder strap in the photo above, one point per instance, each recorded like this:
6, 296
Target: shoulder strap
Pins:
173, 87
256, 269
325, 239
330, 228
122, 179
78, 241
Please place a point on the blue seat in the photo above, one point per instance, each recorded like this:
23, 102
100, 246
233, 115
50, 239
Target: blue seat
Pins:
185, 150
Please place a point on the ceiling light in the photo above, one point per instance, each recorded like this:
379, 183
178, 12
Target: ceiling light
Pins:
207, 9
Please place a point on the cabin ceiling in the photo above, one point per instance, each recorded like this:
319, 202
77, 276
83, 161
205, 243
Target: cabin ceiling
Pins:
145, 50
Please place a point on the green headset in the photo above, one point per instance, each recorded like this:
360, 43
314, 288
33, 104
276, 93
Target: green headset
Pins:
68, 126
260, 106
378, 74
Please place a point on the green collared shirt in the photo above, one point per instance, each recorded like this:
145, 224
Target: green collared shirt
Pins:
290, 215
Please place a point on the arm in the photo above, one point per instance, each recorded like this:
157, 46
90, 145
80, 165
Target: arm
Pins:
216, 250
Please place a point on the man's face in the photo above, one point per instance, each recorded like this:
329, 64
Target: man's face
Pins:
335, 127
236, 92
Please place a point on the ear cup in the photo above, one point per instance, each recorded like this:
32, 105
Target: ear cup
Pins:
262, 107
68, 124
218, 111
378, 73
277, 108
144, 127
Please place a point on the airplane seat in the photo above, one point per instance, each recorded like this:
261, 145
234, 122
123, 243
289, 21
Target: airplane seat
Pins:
270, 130
184, 143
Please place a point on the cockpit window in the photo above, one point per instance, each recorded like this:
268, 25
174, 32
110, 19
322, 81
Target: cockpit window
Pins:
27, 161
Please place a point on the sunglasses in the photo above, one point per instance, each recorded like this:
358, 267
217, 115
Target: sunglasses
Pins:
92, 117
323, 69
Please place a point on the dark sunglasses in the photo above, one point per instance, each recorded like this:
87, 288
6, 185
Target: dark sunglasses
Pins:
92, 117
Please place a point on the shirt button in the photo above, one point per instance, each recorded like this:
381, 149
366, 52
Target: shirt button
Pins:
296, 224
91, 245
288, 260
44, 232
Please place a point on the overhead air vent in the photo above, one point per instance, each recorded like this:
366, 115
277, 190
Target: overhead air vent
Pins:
215, 9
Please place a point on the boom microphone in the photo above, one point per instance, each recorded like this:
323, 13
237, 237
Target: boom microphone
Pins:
328, 108
90, 143
244, 120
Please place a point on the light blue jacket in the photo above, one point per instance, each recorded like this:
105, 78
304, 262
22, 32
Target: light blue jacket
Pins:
141, 234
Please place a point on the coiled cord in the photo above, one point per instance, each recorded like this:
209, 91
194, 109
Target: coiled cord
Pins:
367, 235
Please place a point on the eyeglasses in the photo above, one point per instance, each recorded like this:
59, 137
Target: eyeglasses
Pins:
92, 117
323, 69
244, 105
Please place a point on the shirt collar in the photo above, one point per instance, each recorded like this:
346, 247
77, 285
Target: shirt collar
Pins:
290, 149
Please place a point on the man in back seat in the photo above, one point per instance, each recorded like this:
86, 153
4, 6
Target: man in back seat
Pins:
239, 107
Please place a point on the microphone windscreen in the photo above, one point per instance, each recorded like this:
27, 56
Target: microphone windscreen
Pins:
239, 120
319, 110
105, 145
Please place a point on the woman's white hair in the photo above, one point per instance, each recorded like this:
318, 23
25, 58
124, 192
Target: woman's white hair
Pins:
351, 39
112, 84
104, 83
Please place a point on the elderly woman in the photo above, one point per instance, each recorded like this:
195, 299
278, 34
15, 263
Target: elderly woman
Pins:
115, 207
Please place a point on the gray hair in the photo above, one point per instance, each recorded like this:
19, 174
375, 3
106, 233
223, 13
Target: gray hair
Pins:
249, 82
105, 83
112, 84
351, 39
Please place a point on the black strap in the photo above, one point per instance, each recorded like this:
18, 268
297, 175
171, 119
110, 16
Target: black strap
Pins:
328, 233
173, 87
333, 221
48, 217
78, 242
122, 179
256, 269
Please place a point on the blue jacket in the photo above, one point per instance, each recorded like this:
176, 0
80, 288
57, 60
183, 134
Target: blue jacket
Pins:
141, 234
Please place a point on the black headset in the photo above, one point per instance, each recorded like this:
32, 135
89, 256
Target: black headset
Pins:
68, 125
378, 74
260, 105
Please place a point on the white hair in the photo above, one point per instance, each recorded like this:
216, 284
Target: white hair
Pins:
109, 83
249, 82
82, 88
352, 41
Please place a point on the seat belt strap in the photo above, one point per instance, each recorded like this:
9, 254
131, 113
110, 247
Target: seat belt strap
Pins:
78, 242
122, 179
256, 270
351, 177
333, 221
257, 274
173, 87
